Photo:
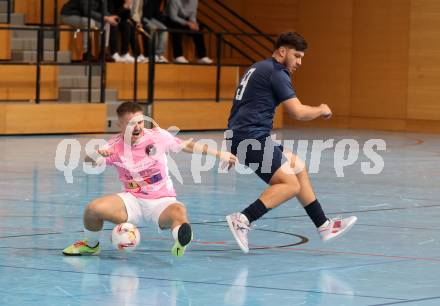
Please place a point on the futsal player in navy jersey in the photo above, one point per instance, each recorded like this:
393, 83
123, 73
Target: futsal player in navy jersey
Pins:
263, 87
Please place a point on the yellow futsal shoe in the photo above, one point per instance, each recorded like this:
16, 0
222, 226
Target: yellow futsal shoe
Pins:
81, 248
184, 237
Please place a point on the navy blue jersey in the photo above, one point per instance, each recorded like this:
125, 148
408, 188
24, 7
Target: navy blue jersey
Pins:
263, 87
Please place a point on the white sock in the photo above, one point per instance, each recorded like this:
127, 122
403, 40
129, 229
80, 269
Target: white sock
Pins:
92, 237
326, 223
175, 233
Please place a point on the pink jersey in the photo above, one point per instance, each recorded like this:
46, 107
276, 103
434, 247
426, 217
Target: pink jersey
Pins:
143, 166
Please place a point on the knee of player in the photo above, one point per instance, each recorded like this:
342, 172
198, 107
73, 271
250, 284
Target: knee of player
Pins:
179, 211
93, 208
290, 187
294, 188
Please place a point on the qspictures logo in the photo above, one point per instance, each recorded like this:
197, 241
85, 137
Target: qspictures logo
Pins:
346, 152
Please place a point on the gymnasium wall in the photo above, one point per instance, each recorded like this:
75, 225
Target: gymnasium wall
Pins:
375, 62
423, 107
271, 16
358, 61
31, 9
5, 43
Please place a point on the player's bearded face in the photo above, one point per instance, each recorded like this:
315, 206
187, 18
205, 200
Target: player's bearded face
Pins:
293, 59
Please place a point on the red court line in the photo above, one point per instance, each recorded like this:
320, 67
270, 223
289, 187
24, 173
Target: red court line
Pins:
418, 141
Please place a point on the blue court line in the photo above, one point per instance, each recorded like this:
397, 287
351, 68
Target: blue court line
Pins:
329, 268
67, 295
361, 211
4, 293
400, 227
409, 301
21, 201
33, 202
208, 223
217, 223
200, 282
37, 216
377, 225
30, 235
381, 196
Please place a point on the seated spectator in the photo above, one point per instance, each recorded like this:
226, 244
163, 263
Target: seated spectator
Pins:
147, 14
75, 12
119, 52
181, 15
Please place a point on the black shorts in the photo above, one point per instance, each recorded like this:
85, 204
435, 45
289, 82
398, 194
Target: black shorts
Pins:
262, 155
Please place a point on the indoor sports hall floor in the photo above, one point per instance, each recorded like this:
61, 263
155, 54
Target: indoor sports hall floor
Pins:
390, 257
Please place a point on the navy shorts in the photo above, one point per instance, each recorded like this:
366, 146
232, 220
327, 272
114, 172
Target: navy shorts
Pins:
262, 155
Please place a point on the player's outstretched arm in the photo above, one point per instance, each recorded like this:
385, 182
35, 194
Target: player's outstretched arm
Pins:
97, 158
193, 147
302, 112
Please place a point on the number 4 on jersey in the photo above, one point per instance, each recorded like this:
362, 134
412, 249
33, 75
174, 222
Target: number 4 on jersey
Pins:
241, 88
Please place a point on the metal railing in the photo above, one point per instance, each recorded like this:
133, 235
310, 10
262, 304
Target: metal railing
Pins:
42, 28
40, 55
219, 17
9, 10
222, 39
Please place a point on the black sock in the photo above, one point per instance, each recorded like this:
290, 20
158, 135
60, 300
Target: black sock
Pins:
315, 212
255, 211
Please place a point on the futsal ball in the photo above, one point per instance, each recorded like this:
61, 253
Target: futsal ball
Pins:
125, 237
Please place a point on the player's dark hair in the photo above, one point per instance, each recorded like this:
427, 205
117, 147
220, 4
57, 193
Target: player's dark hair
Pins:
291, 40
128, 108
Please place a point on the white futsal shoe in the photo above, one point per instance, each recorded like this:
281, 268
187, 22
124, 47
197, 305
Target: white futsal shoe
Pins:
239, 226
333, 228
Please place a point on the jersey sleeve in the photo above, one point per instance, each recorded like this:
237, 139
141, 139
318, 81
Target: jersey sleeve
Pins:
282, 86
170, 142
112, 145
110, 160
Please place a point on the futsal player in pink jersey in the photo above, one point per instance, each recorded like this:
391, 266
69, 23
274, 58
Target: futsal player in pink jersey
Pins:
139, 155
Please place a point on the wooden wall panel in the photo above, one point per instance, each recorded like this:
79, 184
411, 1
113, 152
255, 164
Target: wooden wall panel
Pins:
2, 119
31, 9
52, 118
325, 75
380, 58
394, 67
372, 123
172, 81
49, 82
237, 6
424, 62
198, 115
5, 43
17, 82
374, 62
72, 42
423, 126
274, 16
346, 122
